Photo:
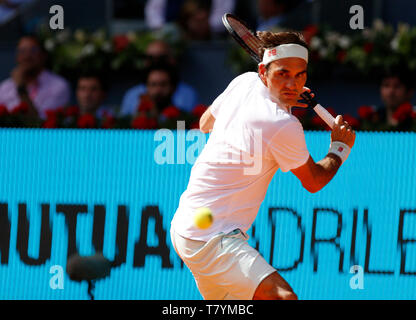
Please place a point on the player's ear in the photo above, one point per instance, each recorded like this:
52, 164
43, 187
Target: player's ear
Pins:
262, 73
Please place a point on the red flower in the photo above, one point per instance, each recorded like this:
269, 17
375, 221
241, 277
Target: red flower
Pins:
341, 55
332, 111
318, 122
171, 112
139, 122
199, 110
299, 112
86, 121
152, 123
315, 56
72, 111
353, 122
194, 125
108, 122
120, 42
55, 112
366, 112
146, 104
143, 122
51, 122
3, 110
22, 107
310, 31
404, 112
368, 47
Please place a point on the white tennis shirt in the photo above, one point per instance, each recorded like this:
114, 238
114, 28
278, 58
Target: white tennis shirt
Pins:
251, 139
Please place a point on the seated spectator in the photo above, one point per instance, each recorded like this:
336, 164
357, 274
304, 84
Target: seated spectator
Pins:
156, 102
396, 92
31, 83
184, 97
159, 12
91, 93
160, 80
194, 20
271, 14
8, 8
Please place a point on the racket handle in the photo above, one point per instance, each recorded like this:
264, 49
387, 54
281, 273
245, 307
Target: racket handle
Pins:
325, 115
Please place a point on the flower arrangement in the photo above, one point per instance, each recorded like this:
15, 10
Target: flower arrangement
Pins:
369, 118
362, 54
80, 50
146, 118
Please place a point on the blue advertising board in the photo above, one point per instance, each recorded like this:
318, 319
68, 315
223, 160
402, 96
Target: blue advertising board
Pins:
84, 191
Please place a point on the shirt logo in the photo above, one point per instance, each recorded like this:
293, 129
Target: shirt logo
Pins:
340, 149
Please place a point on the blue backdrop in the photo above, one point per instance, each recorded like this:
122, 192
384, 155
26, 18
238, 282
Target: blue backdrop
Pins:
63, 191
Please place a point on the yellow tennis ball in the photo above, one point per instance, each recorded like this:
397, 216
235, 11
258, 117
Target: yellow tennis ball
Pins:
203, 218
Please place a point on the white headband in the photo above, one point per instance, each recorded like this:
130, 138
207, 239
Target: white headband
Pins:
290, 50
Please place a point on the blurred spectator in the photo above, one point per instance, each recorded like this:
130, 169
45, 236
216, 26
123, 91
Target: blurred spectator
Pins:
184, 96
91, 93
31, 84
160, 86
194, 20
396, 92
271, 13
218, 9
128, 9
158, 52
156, 108
160, 12
8, 8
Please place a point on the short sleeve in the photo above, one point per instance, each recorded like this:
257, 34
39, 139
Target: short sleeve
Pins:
233, 90
288, 146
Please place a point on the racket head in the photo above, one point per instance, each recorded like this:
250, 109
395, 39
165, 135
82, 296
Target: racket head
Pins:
243, 35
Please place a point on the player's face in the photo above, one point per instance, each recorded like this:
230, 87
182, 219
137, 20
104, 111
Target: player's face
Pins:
285, 80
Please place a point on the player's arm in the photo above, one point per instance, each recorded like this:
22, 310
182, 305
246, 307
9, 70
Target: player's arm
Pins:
206, 123
314, 176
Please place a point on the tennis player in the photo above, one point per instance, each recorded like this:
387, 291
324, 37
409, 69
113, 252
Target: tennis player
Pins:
251, 126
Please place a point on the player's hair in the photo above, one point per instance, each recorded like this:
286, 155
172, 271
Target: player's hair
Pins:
273, 39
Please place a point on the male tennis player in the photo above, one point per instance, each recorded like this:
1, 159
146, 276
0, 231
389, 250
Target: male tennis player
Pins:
219, 257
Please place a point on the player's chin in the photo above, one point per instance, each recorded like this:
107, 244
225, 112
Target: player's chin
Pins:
290, 99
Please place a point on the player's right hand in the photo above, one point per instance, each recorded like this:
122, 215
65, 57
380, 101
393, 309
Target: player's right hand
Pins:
343, 132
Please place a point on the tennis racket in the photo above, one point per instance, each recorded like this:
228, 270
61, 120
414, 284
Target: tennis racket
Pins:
252, 45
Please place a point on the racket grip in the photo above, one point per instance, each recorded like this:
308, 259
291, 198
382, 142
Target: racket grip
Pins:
324, 115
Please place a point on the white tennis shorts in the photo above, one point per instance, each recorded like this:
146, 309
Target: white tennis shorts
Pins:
226, 267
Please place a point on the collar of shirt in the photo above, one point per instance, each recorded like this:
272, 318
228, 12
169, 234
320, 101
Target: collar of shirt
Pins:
33, 88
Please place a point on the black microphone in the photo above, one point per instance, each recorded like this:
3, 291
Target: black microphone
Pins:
88, 268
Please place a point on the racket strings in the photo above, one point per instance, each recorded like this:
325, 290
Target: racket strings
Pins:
251, 40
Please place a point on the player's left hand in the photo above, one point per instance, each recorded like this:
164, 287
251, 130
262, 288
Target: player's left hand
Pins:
301, 102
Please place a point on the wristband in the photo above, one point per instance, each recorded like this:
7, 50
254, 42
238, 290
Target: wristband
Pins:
340, 149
